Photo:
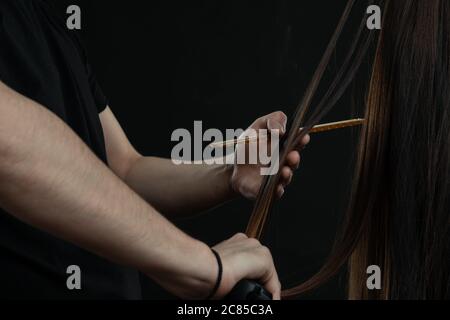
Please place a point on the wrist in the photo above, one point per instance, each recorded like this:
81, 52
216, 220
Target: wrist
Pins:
205, 279
200, 273
188, 269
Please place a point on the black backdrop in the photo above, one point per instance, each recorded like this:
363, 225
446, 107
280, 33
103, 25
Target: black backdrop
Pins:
164, 64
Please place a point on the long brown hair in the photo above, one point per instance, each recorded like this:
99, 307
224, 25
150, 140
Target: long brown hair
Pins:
399, 213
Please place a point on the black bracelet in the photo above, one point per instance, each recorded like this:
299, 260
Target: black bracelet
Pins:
219, 276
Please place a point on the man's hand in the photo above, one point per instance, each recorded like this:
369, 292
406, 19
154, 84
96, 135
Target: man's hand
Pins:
246, 259
182, 190
246, 179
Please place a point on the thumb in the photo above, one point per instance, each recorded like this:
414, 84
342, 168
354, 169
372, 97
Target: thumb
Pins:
276, 125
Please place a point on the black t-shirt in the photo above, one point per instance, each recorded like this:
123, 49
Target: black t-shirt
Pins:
41, 59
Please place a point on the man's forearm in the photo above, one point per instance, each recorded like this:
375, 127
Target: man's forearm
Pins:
50, 179
177, 190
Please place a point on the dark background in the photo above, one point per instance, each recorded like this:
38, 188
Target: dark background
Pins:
164, 64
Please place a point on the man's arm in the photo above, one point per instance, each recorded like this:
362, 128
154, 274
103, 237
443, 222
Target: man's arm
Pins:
177, 190
172, 189
50, 179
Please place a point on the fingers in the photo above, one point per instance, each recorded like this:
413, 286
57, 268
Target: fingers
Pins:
304, 142
277, 121
270, 280
239, 236
275, 125
279, 116
286, 176
287, 172
292, 163
247, 258
249, 188
301, 144
293, 160
274, 286
274, 121
306, 139
280, 191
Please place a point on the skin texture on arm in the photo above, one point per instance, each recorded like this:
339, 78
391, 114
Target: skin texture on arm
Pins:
51, 180
179, 190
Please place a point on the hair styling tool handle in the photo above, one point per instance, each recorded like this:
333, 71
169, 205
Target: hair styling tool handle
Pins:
247, 290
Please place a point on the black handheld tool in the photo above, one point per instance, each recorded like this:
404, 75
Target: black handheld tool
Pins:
249, 291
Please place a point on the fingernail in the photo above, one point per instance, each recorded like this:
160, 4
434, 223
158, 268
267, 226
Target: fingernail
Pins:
275, 126
307, 138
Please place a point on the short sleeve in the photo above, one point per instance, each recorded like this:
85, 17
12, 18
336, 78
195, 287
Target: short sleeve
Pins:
101, 101
29, 32
99, 97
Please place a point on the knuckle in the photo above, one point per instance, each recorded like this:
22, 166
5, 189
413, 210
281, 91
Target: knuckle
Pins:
265, 251
280, 115
254, 242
